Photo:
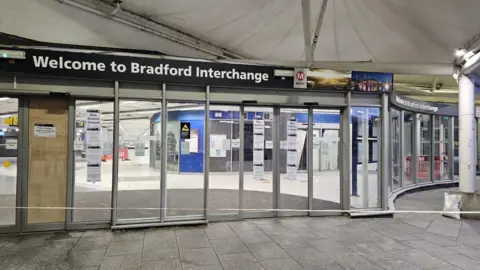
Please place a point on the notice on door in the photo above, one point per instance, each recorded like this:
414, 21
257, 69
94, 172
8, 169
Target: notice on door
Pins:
45, 130
184, 130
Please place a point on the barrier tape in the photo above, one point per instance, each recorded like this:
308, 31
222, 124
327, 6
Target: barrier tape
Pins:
246, 209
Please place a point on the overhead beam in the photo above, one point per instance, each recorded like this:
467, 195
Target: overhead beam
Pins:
306, 30
434, 83
397, 68
150, 26
318, 28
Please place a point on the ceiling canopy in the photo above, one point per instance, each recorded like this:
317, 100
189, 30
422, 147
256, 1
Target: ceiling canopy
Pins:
401, 36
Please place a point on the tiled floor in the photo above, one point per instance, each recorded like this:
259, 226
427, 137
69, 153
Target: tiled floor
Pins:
406, 242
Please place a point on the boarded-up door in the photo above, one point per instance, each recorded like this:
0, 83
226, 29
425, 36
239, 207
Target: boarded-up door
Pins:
47, 160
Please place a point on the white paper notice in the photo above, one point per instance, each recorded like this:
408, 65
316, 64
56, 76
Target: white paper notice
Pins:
268, 144
94, 146
11, 144
291, 157
291, 128
258, 141
78, 145
236, 143
258, 172
45, 130
258, 127
94, 172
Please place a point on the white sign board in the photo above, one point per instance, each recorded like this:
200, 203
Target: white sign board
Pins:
94, 146
291, 149
258, 149
300, 78
78, 146
45, 130
11, 144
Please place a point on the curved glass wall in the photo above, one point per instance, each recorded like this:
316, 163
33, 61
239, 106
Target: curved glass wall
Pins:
424, 148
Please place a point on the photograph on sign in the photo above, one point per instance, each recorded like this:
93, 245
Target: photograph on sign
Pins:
328, 79
371, 81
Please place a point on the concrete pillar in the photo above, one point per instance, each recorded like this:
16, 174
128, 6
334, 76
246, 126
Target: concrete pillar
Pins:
467, 134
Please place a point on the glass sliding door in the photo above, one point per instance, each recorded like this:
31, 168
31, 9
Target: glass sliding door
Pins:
9, 140
139, 177
259, 129
440, 148
92, 188
365, 154
224, 178
293, 155
326, 151
185, 189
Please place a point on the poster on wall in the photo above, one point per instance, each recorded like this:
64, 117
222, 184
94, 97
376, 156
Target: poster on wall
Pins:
218, 145
292, 149
258, 149
193, 140
328, 79
371, 81
94, 146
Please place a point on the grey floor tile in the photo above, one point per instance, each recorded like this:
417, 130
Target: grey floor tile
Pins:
281, 264
98, 233
352, 260
125, 248
128, 236
208, 267
174, 264
160, 235
159, 244
462, 261
228, 246
292, 241
240, 261
438, 239
310, 257
469, 251
445, 228
419, 258
241, 226
199, 257
156, 254
192, 241
397, 265
124, 262
219, 232
189, 231
90, 243
328, 246
250, 237
266, 251
84, 258
372, 252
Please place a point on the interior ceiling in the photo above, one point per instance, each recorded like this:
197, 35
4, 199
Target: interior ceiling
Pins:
380, 31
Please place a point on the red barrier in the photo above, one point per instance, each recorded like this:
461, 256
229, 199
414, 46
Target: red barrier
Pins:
423, 167
123, 153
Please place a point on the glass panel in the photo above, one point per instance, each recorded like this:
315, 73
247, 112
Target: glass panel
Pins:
139, 159
326, 150
365, 149
185, 174
441, 148
93, 185
293, 160
8, 159
408, 143
396, 153
224, 159
258, 159
424, 154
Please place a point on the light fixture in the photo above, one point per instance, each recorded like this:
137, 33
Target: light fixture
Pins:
9, 54
460, 53
4, 98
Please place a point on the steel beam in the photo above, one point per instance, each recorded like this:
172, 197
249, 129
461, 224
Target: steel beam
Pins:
306, 30
318, 28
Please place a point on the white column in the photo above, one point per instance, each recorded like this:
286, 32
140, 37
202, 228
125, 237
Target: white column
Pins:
467, 138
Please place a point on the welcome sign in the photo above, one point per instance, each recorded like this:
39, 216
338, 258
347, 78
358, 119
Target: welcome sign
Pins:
128, 68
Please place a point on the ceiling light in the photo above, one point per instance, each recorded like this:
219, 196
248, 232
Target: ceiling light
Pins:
460, 52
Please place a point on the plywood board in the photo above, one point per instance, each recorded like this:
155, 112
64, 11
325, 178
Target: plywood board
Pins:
47, 161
